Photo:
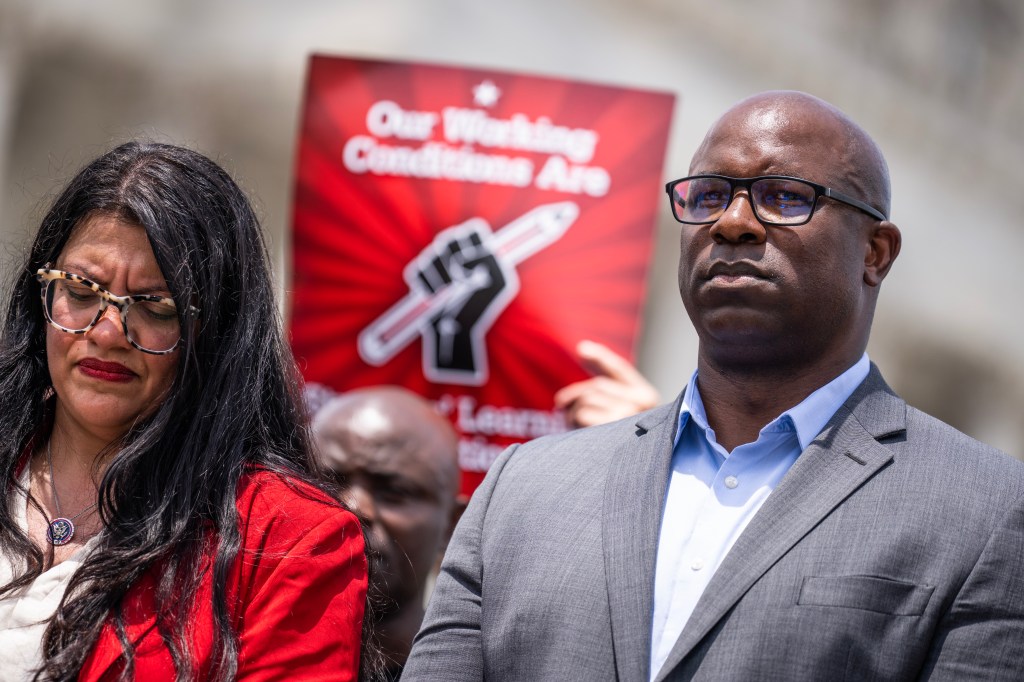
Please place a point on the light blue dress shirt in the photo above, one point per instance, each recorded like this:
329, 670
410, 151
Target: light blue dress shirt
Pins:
713, 494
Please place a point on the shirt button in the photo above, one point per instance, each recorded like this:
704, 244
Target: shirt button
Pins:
697, 565
731, 482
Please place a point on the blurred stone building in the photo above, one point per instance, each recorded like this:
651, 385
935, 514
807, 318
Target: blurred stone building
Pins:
939, 83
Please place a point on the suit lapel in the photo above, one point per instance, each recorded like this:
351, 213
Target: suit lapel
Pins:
631, 518
843, 456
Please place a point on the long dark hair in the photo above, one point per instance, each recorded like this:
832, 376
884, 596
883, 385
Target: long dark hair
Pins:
167, 500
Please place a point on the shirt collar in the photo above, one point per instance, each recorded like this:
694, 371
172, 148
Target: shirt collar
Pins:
808, 418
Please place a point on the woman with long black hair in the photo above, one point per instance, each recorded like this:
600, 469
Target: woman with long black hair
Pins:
162, 517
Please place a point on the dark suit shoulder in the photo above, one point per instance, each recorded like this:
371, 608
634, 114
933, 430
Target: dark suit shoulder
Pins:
963, 460
946, 441
937, 460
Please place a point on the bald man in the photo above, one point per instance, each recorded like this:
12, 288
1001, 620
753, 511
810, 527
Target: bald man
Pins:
395, 459
788, 517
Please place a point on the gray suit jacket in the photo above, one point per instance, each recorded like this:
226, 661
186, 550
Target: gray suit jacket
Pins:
892, 550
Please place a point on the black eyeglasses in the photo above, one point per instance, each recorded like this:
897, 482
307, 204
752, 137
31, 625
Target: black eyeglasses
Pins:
776, 199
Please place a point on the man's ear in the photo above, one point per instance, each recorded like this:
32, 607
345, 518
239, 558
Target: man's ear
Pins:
460, 506
882, 247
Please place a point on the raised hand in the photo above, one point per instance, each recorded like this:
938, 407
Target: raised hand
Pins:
616, 390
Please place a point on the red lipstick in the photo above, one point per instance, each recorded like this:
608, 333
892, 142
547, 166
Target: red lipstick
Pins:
105, 371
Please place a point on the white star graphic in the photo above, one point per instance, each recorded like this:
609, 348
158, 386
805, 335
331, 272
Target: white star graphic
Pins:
486, 94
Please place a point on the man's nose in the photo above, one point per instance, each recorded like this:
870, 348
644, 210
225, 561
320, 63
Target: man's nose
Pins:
361, 501
738, 224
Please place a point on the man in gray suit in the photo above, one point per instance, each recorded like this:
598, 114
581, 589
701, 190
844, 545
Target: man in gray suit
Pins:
789, 517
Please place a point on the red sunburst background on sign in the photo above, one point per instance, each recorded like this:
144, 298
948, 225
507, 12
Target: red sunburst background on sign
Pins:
353, 234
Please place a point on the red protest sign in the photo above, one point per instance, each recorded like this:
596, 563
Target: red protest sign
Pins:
458, 231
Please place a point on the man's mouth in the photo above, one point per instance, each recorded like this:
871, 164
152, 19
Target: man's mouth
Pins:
733, 272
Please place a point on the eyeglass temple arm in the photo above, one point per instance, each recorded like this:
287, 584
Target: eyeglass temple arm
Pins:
839, 196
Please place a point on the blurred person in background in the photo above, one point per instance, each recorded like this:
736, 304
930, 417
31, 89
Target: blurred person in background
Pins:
396, 462
162, 520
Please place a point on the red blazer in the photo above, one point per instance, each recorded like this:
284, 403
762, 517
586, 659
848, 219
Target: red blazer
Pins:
295, 595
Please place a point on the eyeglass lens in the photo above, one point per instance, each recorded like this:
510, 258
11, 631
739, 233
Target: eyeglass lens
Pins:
76, 307
779, 201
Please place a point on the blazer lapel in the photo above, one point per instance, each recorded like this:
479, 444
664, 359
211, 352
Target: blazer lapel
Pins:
140, 621
843, 456
631, 518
